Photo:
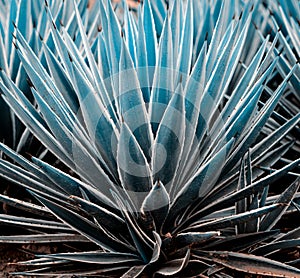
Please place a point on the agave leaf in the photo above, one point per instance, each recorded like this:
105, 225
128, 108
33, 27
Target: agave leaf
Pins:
241, 242
94, 115
232, 113
264, 114
107, 219
186, 46
134, 271
156, 249
19, 176
142, 242
163, 83
13, 9
54, 123
241, 206
64, 269
216, 37
3, 56
10, 90
293, 234
35, 124
86, 162
41, 262
176, 23
175, 266
45, 96
157, 203
253, 225
58, 44
170, 136
24, 206
236, 196
268, 59
235, 56
241, 122
252, 264
97, 257
202, 182
130, 33
33, 222
230, 221
160, 9
268, 142
23, 14
274, 247
96, 78
71, 184
69, 53
85, 227
131, 105
40, 78
133, 167
195, 239
102, 60
271, 158
61, 80
193, 94
287, 47
284, 68
143, 70
205, 32
31, 168
61, 179
244, 82
292, 35
111, 26
286, 197
43, 238
213, 87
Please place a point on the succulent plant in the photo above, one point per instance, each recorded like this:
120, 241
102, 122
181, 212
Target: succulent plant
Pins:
174, 122
31, 20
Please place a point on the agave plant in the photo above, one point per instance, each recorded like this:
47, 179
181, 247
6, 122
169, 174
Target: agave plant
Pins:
173, 127
31, 20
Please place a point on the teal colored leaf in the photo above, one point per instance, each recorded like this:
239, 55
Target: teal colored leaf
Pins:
252, 264
184, 60
131, 105
97, 257
43, 238
241, 242
141, 241
133, 168
285, 198
163, 83
203, 181
274, 247
169, 141
33, 222
233, 220
85, 227
157, 203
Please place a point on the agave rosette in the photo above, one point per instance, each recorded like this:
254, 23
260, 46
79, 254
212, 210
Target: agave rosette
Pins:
168, 126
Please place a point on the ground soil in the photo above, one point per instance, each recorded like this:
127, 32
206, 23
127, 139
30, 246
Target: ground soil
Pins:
10, 254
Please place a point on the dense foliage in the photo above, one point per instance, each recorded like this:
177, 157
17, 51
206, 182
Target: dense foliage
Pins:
154, 140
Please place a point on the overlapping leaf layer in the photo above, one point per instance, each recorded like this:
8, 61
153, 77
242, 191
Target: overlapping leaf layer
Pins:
175, 131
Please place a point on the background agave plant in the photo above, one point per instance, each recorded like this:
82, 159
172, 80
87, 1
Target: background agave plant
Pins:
31, 20
174, 123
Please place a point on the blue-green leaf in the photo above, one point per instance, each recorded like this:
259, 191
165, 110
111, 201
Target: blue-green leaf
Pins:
157, 203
